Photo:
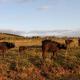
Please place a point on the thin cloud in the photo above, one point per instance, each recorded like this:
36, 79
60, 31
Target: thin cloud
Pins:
23, 1
15, 1
44, 8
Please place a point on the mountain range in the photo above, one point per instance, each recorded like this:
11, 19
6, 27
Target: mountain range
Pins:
59, 33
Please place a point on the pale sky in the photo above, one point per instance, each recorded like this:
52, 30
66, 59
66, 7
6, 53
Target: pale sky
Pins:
28, 15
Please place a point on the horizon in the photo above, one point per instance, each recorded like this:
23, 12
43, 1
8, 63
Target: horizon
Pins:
31, 15
57, 33
38, 30
78, 29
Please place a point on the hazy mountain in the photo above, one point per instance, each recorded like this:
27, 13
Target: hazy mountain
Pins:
59, 33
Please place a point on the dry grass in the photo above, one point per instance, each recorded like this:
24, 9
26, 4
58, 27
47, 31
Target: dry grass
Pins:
28, 66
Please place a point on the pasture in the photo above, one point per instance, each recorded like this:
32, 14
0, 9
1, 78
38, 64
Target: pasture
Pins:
28, 66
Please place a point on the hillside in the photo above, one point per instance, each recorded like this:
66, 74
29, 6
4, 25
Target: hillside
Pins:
7, 36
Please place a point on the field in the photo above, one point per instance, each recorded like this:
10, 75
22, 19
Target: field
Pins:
28, 66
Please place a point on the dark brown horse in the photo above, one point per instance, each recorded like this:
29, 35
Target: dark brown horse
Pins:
3, 50
79, 41
68, 42
52, 46
22, 49
4, 46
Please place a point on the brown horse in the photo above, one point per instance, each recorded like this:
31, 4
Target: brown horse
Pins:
3, 50
4, 46
78, 41
52, 46
22, 49
68, 42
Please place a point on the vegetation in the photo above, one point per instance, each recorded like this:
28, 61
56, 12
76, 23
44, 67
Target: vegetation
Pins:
29, 66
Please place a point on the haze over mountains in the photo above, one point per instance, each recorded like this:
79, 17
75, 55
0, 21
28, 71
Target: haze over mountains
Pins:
59, 33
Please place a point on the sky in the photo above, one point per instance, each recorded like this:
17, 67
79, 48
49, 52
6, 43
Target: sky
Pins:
29, 15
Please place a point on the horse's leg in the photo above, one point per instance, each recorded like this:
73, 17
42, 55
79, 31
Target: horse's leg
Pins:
44, 55
20, 52
3, 53
52, 55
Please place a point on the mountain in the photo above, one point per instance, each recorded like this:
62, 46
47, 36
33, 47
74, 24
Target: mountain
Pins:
59, 33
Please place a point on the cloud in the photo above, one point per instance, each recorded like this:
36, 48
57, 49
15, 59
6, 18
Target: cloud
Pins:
15, 1
23, 1
44, 8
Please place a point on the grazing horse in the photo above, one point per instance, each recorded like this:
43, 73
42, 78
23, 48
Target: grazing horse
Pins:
53, 46
7, 44
79, 41
68, 42
4, 46
3, 50
22, 49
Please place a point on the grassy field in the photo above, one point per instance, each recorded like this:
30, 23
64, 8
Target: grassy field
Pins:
28, 66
